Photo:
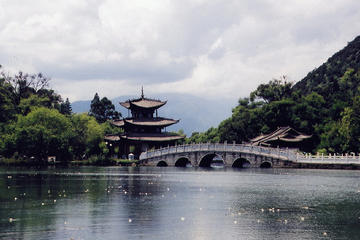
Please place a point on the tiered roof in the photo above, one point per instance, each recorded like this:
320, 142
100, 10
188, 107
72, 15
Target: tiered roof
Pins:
286, 134
150, 124
160, 137
161, 122
156, 137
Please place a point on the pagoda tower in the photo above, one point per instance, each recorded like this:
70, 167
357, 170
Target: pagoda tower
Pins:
143, 128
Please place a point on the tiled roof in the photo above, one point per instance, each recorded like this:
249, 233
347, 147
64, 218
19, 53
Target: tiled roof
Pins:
118, 123
161, 137
112, 138
162, 122
286, 134
143, 103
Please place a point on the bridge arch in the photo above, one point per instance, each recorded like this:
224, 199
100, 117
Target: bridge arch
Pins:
241, 163
162, 164
208, 159
182, 162
266, 164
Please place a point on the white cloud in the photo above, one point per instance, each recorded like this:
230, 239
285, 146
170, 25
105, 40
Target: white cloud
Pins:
208, 48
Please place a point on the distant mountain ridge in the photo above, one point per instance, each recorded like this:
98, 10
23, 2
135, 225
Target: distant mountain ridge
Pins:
196, 114
325, 79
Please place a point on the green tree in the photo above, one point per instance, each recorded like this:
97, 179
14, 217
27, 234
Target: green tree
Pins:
275, 90
65, 107
7, 105
43, 132
103, 109
89, 135
33, 101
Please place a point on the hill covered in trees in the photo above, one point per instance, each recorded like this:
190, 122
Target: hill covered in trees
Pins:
326, 103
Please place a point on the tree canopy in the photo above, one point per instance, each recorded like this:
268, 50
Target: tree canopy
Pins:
103, 109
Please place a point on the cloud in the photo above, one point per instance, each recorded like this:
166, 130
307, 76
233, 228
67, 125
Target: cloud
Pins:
206, 48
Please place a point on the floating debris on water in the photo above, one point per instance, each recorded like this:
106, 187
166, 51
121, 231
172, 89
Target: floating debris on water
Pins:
235, 222
15, 198
262, 210
285, 221
302, 218
130, 220
306, 207
324, 234
182, 219
11, 219
9, 177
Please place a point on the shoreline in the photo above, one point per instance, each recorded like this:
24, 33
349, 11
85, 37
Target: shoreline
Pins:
134, 163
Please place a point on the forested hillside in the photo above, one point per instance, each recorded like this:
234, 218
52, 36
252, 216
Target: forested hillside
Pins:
326, 103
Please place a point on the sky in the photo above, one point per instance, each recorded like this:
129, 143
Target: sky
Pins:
211, 49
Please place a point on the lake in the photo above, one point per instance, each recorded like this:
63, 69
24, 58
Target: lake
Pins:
178, 203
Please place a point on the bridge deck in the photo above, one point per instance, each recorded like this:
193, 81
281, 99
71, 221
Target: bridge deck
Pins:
278, 153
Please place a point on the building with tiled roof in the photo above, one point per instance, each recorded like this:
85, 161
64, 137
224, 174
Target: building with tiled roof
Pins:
282, 137
143, 128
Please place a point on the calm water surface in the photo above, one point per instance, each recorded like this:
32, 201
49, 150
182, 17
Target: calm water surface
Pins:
172, 203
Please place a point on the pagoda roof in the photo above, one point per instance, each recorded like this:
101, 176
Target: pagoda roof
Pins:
161, 122
152, 137
112, 138
118, 123
143, 103
286, 134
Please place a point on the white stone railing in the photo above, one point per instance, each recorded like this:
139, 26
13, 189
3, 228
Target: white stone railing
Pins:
286, 154
280, 153
328, 159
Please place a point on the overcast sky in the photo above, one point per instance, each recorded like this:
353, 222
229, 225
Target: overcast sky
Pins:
206, 48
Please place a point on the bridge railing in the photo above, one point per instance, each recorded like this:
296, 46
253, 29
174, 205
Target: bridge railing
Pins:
280, 153
217, 147
329, 159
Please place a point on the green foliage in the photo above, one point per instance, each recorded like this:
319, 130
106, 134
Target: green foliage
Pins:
33, 101
65, 107
275, 90
109, 128
103, 109
326, 103
43, 132
88, 136
35, 123
7, 101
211, 135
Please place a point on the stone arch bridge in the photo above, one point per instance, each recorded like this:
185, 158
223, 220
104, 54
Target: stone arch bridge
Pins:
231, 155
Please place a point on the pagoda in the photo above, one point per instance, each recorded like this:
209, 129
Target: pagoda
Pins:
143, 128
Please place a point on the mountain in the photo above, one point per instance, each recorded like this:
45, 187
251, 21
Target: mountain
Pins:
326, 79
196, 114
324, 104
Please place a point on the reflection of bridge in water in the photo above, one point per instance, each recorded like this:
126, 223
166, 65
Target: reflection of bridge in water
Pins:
239, 155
